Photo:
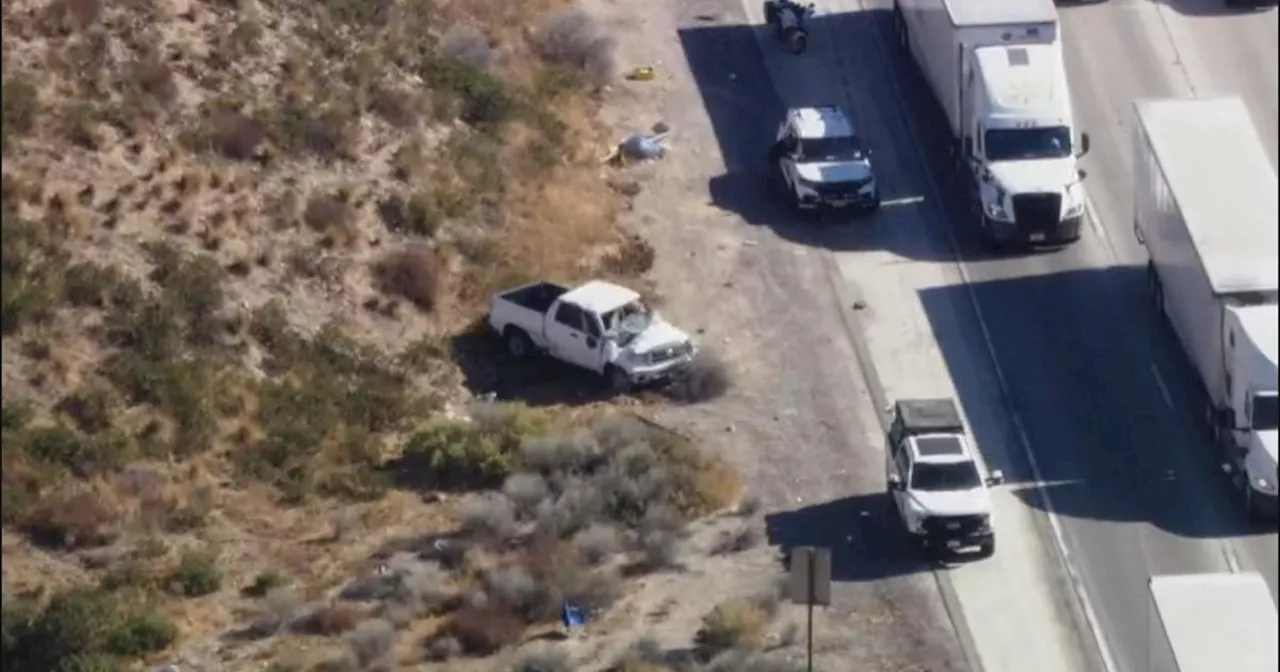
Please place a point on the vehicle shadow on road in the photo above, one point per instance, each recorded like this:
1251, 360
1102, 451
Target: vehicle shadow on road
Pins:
745, 108
866, 540
1218, 7
1105, 398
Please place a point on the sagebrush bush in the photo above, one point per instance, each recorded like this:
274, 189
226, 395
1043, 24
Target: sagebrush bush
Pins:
279, 609
411, 273
418, 587
525, 491
578, 505
735, 624
487, 513
468, 45
572, 37
371, 642
514, 587
440, 649
597, 543
561, 454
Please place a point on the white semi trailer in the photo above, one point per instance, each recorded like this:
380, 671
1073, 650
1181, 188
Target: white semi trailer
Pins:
1211, 623
996, 68
1205, 206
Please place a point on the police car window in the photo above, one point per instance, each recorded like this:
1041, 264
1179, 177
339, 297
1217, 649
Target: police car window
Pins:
831, 149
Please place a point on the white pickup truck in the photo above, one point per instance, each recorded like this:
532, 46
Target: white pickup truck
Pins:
598, 326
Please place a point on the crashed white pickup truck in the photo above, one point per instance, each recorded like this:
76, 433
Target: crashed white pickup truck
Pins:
598, 326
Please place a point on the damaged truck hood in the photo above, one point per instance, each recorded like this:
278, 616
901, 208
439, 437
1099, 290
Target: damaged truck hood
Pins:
659, 334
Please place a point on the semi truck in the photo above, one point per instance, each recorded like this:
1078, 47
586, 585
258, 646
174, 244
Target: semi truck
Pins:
996, 69
1210, 623
1205, 208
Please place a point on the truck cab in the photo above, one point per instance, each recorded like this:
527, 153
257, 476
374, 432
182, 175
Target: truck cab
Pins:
1020, 144
820, 161
938, 483
598, 326
1252, 418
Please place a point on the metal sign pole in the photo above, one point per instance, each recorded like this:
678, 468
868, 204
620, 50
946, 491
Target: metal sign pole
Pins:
811, 585
811, 595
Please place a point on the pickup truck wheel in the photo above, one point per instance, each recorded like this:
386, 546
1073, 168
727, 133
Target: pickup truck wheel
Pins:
618, 379
518, 343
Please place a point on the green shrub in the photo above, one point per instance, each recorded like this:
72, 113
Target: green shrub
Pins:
456, 454
197, 575
68, 449
31, 266
265, 583
481, 98
85, 630
140, 634
21, 107
90, 284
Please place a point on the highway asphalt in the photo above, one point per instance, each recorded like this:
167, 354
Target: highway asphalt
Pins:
1079, 367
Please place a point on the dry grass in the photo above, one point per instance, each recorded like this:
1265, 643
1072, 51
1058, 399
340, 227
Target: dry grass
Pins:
195, 197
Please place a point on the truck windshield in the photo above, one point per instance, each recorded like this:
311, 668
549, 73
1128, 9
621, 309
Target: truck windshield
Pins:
848, 148
628, 321
942, 477
1266, 412
1011, 144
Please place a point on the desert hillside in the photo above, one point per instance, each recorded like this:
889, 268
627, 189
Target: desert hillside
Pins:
244, 246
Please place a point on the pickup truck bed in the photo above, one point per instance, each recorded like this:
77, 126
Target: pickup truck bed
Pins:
537, 297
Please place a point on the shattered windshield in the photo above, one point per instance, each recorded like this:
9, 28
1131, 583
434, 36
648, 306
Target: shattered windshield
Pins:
628, 321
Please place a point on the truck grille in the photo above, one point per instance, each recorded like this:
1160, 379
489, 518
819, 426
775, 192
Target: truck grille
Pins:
847, 191
1037, 211
669, 353
954, 525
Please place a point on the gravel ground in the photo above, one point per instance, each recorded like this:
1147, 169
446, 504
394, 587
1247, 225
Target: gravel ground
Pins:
799, 424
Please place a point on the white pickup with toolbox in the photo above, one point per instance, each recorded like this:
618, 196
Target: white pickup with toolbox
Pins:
598, 326
1205, 208
996, 68
1211, 623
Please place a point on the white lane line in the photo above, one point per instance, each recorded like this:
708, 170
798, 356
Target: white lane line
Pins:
1233, 561
906, 200
1164, 389
1077, 582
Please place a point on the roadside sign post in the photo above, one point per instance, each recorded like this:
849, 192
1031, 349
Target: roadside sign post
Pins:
810, 584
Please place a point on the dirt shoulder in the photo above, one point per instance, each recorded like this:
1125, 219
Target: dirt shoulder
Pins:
799, 424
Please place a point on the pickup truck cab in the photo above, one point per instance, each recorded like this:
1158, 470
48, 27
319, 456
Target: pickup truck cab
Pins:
937, 482
599, 326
